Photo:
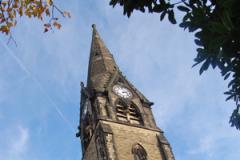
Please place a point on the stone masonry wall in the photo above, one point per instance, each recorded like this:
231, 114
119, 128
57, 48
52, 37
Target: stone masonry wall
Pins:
125, 137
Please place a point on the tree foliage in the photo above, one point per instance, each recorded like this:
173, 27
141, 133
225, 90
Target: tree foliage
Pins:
11, 10
216, 25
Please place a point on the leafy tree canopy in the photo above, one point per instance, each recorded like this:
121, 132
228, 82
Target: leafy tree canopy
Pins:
216, 25
10, 10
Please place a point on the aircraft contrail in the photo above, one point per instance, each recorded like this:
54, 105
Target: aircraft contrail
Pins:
21, 64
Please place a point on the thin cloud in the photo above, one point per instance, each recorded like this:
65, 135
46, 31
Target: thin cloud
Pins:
15, 143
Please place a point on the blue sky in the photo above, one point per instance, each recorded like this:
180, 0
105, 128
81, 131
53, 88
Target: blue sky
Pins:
40, 84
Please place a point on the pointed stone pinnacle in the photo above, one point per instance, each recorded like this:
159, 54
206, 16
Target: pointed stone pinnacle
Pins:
94, 26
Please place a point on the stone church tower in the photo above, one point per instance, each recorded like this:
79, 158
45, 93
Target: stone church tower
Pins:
116, 121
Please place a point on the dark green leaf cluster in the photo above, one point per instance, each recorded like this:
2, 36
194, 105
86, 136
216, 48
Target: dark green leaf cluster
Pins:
162, 7
216, 24
235, 118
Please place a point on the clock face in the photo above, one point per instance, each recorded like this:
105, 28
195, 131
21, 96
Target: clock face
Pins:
122, 91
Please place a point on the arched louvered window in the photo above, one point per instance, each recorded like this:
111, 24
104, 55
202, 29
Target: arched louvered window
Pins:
121, 111
139, 152
134, 115
128, 113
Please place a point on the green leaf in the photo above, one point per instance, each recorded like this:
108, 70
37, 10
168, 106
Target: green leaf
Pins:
200, 57
198, 34
198, 42
204, 66
113, 2
163, 15
192, 28
235, 118
171, 17
183, 8
213, 62
186, 17
185, 24
226, 76
229, 97
231, 83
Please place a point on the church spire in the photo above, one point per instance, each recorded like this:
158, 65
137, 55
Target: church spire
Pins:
101, 63
102, 69
98, 46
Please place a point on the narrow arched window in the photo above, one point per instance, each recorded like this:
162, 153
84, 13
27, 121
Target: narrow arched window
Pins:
139, 152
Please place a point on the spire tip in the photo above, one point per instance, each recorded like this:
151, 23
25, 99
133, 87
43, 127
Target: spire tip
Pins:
94, 26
